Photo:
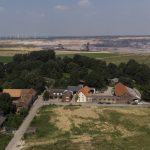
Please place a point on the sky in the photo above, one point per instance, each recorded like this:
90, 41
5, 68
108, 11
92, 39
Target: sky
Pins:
74, 17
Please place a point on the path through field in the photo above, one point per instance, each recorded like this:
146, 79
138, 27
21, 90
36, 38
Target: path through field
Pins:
15, 142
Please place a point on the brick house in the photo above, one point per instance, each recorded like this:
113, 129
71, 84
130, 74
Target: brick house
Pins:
22, 98
67, 96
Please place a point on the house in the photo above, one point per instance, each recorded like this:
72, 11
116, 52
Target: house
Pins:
67, 96
2, 120
74, 89
56, 93
126, 94
22, 98
83, 94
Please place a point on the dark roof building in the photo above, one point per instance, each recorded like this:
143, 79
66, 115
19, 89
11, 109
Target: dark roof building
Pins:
74, 89
56, 93
67, 96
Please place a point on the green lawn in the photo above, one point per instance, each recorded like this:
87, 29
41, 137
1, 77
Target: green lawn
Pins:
4, 140
95, 128
92, 55
115, 57
108, 57
13, 121
5, 59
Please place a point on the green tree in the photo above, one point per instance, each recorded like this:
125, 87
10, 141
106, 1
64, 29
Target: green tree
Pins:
131, 68
146, 93
112, 70
18, 84
2, 70
5, 103
127, 81
93, 79
24, 112
46, 96
142, 76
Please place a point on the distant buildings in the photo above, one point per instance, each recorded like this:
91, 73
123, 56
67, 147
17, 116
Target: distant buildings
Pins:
116, 93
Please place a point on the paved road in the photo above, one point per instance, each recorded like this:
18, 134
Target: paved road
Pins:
56, 102
13, 144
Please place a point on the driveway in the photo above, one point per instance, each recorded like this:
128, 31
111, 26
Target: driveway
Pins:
16, 140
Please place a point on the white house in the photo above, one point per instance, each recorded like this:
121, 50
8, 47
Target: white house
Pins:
83, 94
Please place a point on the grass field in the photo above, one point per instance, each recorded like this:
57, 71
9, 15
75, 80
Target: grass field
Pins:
116, 58
108, 57
5, 59
90, 128
4, 140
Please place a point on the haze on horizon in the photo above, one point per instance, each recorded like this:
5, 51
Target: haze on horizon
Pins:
74, 17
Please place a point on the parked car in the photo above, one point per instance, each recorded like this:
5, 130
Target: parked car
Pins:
100, 103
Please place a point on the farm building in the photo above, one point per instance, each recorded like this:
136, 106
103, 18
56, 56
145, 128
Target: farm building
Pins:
120, 94
22, 98
126, 94
56, 93
67, 96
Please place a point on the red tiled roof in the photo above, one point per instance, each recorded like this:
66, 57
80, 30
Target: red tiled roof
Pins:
24, 95
86, 91
15, 93
120, 89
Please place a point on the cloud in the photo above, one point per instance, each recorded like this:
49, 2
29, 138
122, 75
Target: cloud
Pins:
61, 7
84, 3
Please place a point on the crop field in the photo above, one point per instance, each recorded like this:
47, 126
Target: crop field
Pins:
116, 58
90, 128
